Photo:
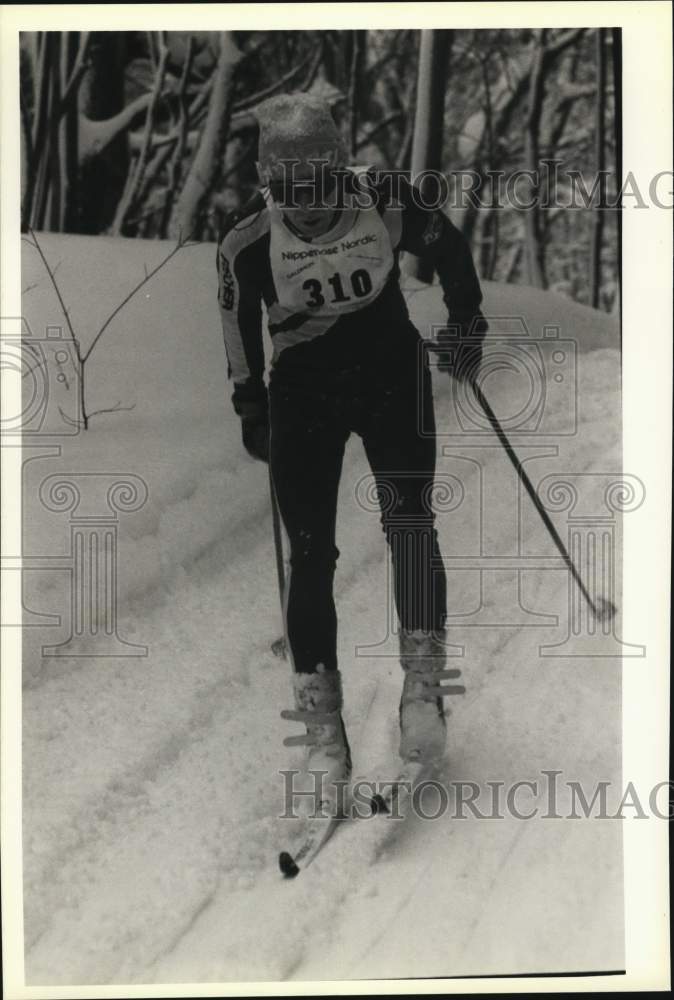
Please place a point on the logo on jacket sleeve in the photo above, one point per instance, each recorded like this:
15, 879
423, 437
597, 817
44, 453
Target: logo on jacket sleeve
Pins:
226, 296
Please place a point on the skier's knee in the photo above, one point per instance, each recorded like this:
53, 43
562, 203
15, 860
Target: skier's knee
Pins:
308, 553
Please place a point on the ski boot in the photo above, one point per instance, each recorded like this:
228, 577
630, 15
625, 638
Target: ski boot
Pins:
423, 730
318, 700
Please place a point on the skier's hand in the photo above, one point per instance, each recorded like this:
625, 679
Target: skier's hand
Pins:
458, 346
255, 427
255, 435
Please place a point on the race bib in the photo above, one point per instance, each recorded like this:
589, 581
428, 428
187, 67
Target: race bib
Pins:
340, 274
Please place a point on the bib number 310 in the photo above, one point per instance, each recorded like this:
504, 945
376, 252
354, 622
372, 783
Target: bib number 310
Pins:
361, 284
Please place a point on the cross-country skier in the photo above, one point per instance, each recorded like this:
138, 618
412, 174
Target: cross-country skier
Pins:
345, 359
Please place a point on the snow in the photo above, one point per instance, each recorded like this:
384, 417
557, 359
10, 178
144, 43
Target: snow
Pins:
151, 784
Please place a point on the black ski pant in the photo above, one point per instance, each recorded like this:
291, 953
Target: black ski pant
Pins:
311, 421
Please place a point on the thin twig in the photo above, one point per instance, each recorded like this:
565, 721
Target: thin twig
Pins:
249, 102
117, 408
37, 246
564, 40
67, 419
388, 120
196, 109
145, 216
179, 246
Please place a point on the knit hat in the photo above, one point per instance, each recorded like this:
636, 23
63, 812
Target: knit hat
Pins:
296, 127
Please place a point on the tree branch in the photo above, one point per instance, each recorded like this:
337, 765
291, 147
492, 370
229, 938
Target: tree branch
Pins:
384, 123
205, 164
136, 174
561, 42
179, 246
96, 135
117, 408
37, 246
246, 103
572, 91
198, 105
182, 128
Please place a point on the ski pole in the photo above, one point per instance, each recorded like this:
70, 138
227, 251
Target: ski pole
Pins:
279, 646
602, 609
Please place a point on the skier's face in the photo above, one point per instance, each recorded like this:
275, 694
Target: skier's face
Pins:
307, 202
309, 219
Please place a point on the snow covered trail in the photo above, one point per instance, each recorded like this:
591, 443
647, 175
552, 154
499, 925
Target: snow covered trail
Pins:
151, 785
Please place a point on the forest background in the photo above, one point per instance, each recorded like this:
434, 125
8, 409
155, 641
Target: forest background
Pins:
153, 134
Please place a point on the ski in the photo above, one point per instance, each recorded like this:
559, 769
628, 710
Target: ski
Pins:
399, 790
319, 833
393, 802
320, 829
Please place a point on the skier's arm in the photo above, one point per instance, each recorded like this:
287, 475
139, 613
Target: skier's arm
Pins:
429, 233
240, 305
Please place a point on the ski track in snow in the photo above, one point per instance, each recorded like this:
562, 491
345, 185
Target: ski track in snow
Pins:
151, 785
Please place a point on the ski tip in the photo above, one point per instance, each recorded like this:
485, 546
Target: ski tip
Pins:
378, 805
287, 865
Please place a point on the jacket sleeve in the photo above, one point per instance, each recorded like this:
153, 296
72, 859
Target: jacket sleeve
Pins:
429, 233
240, 304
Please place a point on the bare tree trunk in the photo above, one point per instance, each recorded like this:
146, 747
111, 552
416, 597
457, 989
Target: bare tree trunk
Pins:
600, 158
182, 128
207, 161
55, 193
491, 227
616, 66
427, 142
506, 97
513, 263
355, 87
43, 111
103, 151
404, 157
489, 243
136, 174
68, 141
532, 217
335, 62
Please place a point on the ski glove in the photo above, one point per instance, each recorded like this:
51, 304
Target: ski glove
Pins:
458, 346
255, 429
